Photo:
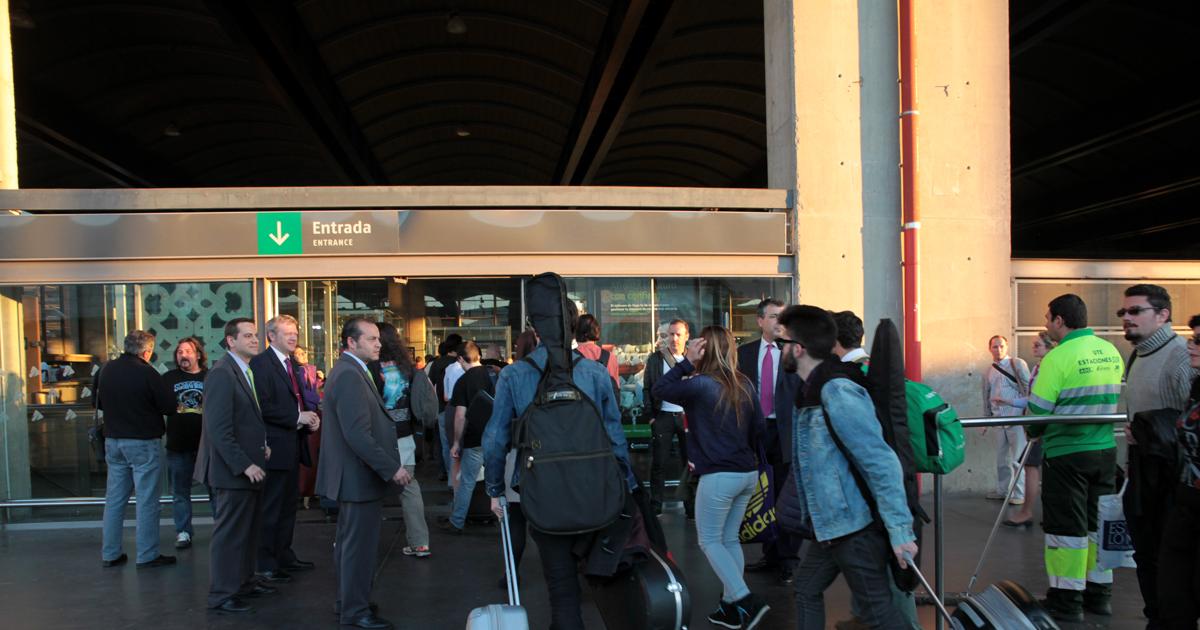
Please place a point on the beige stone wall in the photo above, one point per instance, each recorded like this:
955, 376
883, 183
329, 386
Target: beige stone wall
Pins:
964, 171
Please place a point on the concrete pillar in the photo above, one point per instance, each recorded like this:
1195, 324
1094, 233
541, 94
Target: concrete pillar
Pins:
964, 183
813, 142
832, 128
8, 105
14, 423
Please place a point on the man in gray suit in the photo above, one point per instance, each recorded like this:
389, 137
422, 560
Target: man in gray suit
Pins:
233, 453
359, 462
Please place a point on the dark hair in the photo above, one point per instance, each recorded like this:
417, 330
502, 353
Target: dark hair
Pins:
526, 343
352, 330
811, 327
679, 321
198, 346
451, 344
1194, 321
429, 358
1154, 294
392, 347
231, 327
1071, 309
849, 329
588, 329
762, 306
469, 350
995, 337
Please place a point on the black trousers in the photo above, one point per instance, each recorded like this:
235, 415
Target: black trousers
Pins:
667, 426
235, 528
785, 549
1147, 501
560, 568
518, 528
281, 492
355, 549
862, 558
1071, 489
1179, 563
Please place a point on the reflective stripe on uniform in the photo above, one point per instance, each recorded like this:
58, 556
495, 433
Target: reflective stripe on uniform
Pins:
1093, 574
1067, 561
1040, 406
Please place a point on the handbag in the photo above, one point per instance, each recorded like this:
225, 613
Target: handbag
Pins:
1115, 549
759, 524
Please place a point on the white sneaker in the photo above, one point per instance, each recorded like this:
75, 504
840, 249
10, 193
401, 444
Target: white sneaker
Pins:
183, 540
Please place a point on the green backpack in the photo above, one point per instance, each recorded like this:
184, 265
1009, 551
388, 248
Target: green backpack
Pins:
933, 426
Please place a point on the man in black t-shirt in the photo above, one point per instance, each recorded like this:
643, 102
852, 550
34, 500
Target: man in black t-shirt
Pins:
471, 407
186, 382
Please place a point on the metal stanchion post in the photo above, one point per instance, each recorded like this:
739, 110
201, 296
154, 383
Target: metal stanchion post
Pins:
939, 568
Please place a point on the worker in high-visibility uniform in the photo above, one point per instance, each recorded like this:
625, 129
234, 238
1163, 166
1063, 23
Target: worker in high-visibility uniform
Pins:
1082, 375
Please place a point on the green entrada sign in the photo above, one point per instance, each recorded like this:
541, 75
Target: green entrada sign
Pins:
280, 234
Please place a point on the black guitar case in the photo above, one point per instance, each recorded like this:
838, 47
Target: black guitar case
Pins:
1004, 605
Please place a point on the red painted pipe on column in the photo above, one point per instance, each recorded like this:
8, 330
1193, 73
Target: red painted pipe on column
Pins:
909, 201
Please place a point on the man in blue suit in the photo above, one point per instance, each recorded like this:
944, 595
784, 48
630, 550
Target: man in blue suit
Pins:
776, 389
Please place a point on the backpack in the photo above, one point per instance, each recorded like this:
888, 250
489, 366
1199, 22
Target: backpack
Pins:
571, 481
937, 436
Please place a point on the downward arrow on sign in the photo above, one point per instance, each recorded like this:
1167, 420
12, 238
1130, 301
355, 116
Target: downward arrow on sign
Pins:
279, 237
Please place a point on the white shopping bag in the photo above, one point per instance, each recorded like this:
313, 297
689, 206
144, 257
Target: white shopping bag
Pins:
1115, 544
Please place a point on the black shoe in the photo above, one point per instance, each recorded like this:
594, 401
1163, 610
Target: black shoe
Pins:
278, 575
762, 566
233, 605
785, 575
1061, 613
115, 562
371, 622
256, 591
449, 528
372, 605
752, 609
1018, 524
1102, 607
160, 561
726, 616
299, 565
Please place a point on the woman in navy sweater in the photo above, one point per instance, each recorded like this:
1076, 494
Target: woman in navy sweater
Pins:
725, 423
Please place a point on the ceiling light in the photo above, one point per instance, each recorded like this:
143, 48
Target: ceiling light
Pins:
172, 131
456, 25
462, 132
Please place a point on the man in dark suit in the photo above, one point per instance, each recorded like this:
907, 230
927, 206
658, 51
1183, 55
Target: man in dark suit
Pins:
360, 462
231, 460
759, 360
289, 421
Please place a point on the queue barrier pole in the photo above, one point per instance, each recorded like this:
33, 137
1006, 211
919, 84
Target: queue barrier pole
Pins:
938, 516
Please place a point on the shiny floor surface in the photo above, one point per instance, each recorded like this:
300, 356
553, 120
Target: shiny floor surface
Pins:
51, 578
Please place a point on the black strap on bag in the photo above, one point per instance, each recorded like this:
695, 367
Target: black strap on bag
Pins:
1007, 374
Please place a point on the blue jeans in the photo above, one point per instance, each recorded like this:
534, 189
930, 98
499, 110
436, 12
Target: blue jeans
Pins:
472, 461
179, 469
445, 417
721, 500
132, 464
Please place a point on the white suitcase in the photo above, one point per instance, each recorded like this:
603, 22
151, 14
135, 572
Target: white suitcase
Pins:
500, 616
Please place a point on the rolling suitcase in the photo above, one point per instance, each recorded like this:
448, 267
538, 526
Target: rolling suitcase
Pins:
649, 596
500, 616
1004, 605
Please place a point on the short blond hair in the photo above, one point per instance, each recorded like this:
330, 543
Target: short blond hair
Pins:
274, 322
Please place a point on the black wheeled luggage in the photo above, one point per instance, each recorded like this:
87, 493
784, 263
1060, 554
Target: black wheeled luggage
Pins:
651, 595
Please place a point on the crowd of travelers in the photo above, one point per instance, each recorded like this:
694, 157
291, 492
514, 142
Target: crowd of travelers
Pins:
264, 431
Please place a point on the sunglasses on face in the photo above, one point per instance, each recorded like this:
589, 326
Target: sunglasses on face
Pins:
1135, 310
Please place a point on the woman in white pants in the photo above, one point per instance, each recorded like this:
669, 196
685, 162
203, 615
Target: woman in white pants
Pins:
1005, 387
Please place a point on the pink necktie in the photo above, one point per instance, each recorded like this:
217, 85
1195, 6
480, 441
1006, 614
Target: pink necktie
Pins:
766, 388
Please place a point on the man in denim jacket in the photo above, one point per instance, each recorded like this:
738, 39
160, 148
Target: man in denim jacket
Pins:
849, 539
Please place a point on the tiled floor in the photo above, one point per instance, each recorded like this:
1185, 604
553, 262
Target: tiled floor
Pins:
52, 578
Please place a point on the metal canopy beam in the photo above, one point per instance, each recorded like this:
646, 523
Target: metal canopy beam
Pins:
399, 197
296, 74
634, 31
74, 136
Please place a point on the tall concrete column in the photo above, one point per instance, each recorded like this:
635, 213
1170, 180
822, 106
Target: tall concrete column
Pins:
964, 183
14, 423
832, 127
8, 105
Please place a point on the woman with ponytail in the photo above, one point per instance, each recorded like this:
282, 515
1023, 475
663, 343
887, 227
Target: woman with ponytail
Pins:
725, 424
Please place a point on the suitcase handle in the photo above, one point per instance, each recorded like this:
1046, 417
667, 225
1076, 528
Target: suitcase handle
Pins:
510, 568
954, 623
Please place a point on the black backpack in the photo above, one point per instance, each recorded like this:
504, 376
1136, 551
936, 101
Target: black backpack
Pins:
571, 481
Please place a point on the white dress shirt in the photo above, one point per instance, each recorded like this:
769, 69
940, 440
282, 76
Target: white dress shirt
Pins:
666, 406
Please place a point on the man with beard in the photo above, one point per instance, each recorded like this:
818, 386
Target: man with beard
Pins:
1158, 377
183, 430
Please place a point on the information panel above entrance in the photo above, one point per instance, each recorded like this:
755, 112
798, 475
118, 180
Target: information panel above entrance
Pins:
403, 232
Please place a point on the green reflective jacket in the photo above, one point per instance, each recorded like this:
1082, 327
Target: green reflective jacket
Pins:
1082, 375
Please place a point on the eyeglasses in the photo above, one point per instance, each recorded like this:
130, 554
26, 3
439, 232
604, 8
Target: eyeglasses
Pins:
1135, 310
1194, 340
785, 340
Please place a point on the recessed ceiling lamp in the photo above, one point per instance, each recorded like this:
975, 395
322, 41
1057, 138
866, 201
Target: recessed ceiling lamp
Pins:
456, 25
172, 131
462, 132
19, 15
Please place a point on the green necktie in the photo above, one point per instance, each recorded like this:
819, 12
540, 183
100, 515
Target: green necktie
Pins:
250, 377
371, 379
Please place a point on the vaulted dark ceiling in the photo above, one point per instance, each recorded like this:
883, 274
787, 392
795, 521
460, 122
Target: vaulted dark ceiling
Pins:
604, 92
